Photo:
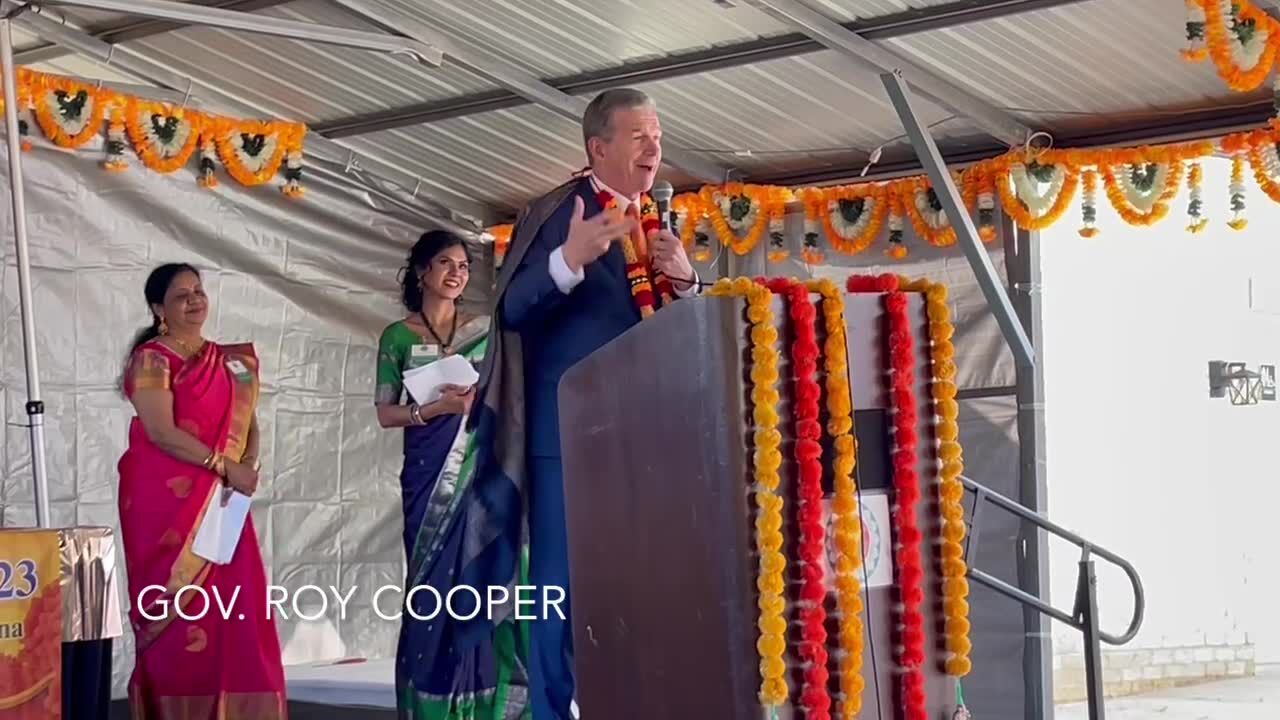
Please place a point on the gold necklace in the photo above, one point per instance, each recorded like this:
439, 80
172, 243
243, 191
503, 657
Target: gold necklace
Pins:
185, 346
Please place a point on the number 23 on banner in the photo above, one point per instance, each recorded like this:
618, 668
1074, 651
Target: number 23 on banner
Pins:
30, 625
24, 572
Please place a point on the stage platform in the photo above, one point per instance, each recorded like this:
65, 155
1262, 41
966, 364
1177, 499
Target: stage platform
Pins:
341, 690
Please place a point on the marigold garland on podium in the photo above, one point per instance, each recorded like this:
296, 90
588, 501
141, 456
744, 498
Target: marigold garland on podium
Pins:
725, 461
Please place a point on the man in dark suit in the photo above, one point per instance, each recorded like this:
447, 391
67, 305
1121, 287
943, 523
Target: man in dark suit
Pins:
564, 293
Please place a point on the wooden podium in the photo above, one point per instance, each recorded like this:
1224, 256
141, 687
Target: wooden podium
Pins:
656, 439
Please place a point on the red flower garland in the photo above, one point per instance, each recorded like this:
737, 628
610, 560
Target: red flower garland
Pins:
815, 697
906, 484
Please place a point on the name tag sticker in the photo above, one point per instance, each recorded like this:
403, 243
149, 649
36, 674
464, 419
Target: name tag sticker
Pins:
425, 351
238, 369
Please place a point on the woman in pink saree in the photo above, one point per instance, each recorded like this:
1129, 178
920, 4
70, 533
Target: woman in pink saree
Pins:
195, 438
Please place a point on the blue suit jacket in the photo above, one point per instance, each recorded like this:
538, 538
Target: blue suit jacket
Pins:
558, 330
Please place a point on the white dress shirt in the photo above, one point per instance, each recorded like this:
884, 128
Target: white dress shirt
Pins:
567, 280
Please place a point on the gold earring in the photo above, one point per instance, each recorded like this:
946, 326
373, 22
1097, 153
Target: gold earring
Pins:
164, 327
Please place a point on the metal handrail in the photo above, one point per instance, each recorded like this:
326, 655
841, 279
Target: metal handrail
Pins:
1084, 615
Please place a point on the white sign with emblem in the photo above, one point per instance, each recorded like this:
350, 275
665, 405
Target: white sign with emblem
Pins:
877, 541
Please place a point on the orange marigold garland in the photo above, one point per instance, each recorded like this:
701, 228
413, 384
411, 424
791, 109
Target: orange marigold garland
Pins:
164, 137
70, 113
1263, 157
1020, 193
252, 151
847, 521
1242, 41
1140, 193
927, 215
852, 215
750, 208
767, 462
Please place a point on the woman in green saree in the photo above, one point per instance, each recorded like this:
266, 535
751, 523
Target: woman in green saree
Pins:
434, 680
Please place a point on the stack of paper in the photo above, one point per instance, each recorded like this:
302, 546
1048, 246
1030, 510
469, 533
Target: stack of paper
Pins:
221, 527
425, 383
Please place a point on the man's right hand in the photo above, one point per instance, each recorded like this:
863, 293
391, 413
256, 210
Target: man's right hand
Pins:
589, 239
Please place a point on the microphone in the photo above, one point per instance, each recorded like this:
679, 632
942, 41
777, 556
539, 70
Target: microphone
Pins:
661, 194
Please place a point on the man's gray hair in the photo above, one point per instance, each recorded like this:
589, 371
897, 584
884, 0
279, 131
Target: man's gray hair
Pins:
597, 120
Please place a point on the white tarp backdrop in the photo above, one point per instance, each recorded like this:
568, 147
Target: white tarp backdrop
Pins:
312, 283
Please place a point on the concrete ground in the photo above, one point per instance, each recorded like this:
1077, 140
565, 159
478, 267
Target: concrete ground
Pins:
1254, 698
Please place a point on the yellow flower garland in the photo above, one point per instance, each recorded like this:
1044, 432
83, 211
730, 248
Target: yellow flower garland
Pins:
955, 584
848, 523
768, 460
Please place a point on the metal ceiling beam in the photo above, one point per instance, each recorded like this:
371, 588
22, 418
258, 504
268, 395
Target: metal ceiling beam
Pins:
997, 123
966, 234
116, 33
682, 64
464, 216
263, 24
526, 85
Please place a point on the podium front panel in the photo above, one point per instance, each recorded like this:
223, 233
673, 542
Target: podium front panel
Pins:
657, 445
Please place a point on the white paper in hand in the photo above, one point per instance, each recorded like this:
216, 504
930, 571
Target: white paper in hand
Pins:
221, 527
424, 382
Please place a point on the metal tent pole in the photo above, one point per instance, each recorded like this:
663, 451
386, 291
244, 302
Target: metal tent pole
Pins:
35, 408
966, 234
1022, 265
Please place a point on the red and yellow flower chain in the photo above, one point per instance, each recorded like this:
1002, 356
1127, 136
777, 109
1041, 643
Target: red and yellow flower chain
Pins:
847, 522
906, 483
955, 583
641, 274
815, 697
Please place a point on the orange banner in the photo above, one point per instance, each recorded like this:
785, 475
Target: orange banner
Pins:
30, 625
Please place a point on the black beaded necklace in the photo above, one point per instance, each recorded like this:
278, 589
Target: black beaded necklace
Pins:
446, 347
